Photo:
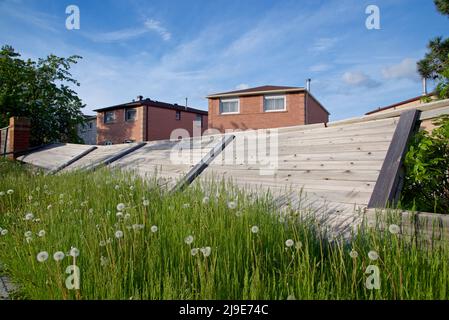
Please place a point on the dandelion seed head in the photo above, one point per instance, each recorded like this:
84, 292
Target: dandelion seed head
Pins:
2, 193
42, 256
102, 243
146, 202
289, 243
291, 297
232, 205
29, 216
120, 206
373, 255
394, 229
127, 216
49, 207
4, 232
28, 239
91, 210
186, 205
58, 256
117, 187
10, 191
206, 251
74, 252
194, 251
103, 261
119, 234
28, 234
353, 254
154, 229
298, 245
119, 214
188, 240
205, 200
41, 233
254, 229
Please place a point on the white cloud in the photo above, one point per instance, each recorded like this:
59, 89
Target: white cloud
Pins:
242, 86
323, 44
155, 25
320, 67
131, 33
406, 69
359, 79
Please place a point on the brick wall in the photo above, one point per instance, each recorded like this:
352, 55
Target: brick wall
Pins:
120, 130
156, 124
315, 113
161, 123
252, 115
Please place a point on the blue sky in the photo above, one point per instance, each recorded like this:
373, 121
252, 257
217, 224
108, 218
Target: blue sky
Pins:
169, 50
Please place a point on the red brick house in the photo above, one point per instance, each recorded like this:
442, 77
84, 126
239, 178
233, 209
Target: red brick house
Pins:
146, 120
264, 107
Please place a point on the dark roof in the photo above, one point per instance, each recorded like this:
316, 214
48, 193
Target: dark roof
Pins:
257, 89
152, 103
397, 104
89, 117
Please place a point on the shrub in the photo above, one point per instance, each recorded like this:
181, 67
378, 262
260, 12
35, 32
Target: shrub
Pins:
426, 186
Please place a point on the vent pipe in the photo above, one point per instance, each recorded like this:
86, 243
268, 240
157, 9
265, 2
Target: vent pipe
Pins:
424, 86
308, 84
187, 99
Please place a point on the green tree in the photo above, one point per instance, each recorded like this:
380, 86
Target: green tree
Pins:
41, 91
426, 185
442, 6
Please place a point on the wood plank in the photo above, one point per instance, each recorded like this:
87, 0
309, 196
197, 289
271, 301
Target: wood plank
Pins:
386, 190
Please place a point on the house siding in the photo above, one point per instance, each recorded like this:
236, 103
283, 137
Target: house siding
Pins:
120, 130
161, 122
315, 112
252, 115
155, 124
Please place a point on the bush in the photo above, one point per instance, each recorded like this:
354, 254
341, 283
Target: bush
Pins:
426, 186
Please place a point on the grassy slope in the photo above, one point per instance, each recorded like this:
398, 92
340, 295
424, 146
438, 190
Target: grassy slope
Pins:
79, 210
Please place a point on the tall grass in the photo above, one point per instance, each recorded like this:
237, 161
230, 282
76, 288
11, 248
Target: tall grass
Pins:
80, 210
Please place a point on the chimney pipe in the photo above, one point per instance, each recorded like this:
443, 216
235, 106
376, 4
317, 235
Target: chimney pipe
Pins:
139, 98
424, 86
187, 99
308, 84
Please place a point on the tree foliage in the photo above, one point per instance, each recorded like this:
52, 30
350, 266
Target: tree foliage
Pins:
442, 6
41, 91
426, 186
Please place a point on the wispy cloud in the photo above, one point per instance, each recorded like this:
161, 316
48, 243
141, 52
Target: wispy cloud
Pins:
359, 79
406, 69
156, 26
324, 44
148, 26
321, 67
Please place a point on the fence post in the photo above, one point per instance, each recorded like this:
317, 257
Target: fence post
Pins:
18, 135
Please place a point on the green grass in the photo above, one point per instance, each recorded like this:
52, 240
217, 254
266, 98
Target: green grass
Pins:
79, 210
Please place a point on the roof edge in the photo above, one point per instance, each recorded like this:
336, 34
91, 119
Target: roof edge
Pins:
252, 93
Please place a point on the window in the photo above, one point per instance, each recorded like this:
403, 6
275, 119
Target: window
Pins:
90, 125
130, 114
109, 116
274, 103
178, 115
229, 106
199, 119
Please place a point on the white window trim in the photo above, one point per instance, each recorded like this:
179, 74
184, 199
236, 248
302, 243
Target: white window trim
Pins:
230, 100
275, 97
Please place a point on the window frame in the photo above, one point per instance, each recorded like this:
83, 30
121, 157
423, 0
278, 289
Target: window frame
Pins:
274, 97
126, 114
178, 112
105, 117
220, 108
